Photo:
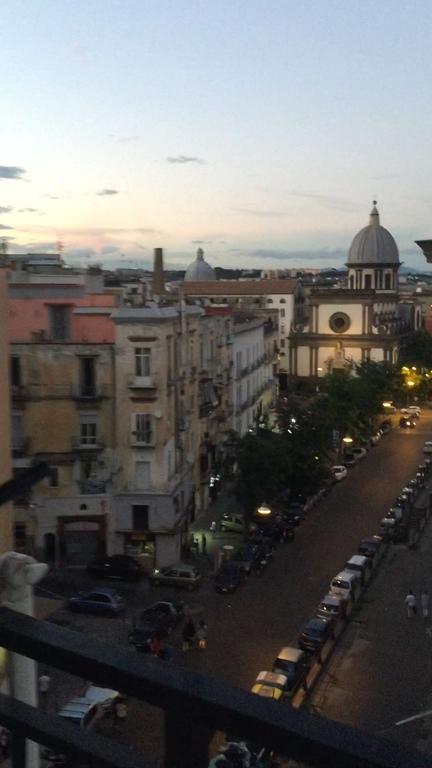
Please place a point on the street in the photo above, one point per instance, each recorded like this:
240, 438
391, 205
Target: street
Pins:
247, 629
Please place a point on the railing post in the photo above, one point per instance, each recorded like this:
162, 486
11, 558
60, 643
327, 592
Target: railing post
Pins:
187, 740
18, 750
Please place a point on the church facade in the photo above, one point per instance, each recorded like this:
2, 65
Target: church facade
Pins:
342, 327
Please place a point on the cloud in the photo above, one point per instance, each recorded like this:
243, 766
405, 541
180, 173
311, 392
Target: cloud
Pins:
105, 192
51, 197
91, 231
263, 214
11, 172
5, 208
3, 226
184, 159
110, 249
335, 203
336, 255
127, 139
28, 210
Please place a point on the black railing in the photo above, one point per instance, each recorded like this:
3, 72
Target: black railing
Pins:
195, 708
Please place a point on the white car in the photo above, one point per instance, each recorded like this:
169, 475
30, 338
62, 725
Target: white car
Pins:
427, 448
339, 472
414, 410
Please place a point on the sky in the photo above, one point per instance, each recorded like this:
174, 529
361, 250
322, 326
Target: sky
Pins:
259, 130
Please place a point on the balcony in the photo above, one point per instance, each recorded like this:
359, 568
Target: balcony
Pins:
86, 394
194, 707
142, 440
142, 382
87, 443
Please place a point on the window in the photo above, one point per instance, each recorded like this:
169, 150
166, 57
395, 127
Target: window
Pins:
87, 376
17, 431
15, 371
143, 428
339, 322
368, 282
282, 301
88, 429
58, 316
282, 312
140, 517
387, 282
53, 477
142, 361
282, 342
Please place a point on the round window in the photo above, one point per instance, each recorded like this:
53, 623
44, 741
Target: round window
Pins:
339, 322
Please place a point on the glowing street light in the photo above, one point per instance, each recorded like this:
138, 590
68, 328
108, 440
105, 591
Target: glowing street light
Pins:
347, 440
410, 383
264, 510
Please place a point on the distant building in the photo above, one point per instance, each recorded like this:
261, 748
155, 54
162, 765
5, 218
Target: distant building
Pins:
199, 270
6, 527
338, 328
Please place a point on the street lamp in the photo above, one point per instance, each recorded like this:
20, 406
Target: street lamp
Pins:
347, 440
264, 510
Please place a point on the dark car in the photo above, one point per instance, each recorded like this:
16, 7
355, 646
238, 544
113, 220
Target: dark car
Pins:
371, 546
315, 634
115, 567
349, 460
294, 664
332, 608
156, 621
101, 601
245, 557
228, 578
264, 542
293, 513
407, 422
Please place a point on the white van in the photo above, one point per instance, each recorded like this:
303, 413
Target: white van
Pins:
361, 565
346, 584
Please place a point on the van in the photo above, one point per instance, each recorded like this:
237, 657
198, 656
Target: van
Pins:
346, 584
86, 711
361, 565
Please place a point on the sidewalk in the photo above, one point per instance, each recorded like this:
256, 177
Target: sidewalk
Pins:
381, 671
225, 502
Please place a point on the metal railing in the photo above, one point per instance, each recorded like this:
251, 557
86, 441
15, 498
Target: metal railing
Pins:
195, 708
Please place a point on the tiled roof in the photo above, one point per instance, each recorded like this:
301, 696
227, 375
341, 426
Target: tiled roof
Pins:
239, 287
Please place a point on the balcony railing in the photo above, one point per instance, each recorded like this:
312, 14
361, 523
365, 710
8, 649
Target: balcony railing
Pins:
195, 707
87, 443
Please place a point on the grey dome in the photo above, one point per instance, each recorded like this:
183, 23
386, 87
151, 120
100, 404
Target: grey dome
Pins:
373, 244
199, 270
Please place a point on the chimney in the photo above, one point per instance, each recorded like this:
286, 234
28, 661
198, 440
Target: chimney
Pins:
158, 275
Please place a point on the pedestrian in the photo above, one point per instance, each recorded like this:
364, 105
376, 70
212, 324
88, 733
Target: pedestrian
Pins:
204, 543
213, 526
202, 634
120, 711
155, 646
425, 603
411, 604
188, 635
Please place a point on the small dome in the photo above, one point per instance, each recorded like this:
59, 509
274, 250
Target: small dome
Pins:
373, 244
199, 270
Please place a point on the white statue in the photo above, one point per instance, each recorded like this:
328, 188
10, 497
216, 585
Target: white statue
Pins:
18, 574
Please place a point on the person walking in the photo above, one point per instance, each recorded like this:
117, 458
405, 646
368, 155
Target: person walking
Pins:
425, 604
202, 634
188, 635
411, 604
204, 544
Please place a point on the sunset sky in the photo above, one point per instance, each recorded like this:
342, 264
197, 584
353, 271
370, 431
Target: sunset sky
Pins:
260, 130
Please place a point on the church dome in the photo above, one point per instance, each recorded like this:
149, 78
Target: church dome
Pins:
373, 245
199, 270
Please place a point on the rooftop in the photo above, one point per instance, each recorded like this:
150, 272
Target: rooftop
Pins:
239, 287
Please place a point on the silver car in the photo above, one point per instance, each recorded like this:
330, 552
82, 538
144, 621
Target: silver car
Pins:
180, 575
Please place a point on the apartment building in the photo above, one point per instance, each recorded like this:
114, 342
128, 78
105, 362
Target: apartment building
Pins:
157, 357
62, 373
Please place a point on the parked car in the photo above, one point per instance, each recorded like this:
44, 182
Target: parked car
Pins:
339, 472
359, 453
179, 575
349, 460
427, 447
332, 607
414, 410
156, 621
234, 523
271, 685
361, 565
115, 567
87, 710
346, 584
294, 663
101, 601
293, 513
371, 547
375, 438
245, 557
315, 634
385, 426
228, 578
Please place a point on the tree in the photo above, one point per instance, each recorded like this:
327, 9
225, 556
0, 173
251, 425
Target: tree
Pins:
416, 350
262, 461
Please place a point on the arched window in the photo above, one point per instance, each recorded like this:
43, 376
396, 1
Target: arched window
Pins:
387, 283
